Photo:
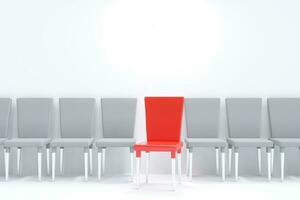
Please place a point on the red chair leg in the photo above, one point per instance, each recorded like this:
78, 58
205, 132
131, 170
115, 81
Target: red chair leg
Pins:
173, 162
179, 166
173, 165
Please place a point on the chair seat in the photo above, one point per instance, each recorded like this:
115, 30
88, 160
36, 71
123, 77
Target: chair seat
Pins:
71, 142
250, 142
286, 142
27, 142
2, 140
205, 142
172, 147
115, 142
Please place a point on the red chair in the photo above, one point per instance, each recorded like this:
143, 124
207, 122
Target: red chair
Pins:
163, 125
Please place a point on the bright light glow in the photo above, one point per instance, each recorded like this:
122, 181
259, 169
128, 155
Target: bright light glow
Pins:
154, 38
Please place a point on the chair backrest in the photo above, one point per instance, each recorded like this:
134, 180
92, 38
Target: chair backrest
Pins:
164, 118
34, 117
202, 117
5, 109
244, 117
118, 117
284, 117
76, 117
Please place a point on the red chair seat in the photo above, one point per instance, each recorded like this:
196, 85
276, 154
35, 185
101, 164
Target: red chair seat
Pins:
172, 147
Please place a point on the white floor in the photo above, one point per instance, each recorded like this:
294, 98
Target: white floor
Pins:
159, 187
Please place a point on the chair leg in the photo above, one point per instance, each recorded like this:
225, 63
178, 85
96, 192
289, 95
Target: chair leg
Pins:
6, 160
91, 160
282, 164
61, 159
99, 163
39, 155
103, 160
259, 160
223, 164
18, 160
138, 164
217, 160
53, 163
147, 166
187, 162
48, 160
179, 167
173, 172
131, 165
272, 160
236, 162
86, 158
191, 165
229, 160
269, 164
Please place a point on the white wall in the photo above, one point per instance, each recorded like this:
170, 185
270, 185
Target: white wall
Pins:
134, 48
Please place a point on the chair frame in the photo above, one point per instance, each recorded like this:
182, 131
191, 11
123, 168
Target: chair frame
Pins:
174, 148
87, 153
235, 149
102, 151
39, 149
281, 148
189, 154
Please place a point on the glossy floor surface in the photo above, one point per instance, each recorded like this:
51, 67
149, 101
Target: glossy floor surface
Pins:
159, 187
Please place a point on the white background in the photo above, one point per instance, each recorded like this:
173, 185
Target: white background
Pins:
136, 48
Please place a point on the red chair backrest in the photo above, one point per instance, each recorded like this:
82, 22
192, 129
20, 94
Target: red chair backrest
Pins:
164, 118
